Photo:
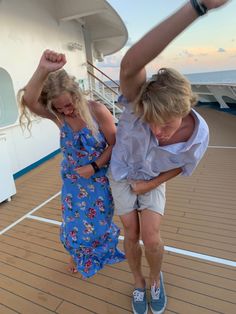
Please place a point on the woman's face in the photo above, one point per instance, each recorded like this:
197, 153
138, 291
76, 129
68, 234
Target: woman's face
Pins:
166, 131
64, 104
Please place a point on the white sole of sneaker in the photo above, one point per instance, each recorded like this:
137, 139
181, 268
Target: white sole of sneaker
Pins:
159, 312
137, 312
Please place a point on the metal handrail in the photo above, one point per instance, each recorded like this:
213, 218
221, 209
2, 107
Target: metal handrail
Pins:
103, 91
112, 90
110, 79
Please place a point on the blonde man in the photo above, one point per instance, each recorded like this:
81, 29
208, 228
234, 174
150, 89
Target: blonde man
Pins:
159, 136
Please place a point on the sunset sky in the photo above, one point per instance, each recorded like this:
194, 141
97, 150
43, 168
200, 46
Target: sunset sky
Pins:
207, 45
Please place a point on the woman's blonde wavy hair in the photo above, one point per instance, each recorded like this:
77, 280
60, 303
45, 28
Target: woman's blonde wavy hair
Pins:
56, 84
168, 94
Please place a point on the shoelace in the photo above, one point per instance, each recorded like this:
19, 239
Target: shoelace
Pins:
155, 292
138, 296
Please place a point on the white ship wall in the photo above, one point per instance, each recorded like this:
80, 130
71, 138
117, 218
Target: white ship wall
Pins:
27, 28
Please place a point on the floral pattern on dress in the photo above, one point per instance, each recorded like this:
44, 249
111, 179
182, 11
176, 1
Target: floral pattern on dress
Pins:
87, 231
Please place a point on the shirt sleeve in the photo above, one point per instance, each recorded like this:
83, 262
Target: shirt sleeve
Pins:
195, 155
122, 100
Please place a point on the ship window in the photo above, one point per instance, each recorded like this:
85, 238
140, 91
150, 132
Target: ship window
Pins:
8, 105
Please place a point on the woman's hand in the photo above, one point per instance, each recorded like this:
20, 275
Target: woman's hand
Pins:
52, 61
85, 171
213, 4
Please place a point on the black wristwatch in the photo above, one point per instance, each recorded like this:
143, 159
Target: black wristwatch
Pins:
199, 7
95, 166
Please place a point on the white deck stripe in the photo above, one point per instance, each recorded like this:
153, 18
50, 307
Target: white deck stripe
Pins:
202, 256
167, 248
50, 221
223, 147
196, 255
29, 213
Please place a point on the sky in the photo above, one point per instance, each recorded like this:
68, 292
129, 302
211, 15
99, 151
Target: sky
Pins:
209, 44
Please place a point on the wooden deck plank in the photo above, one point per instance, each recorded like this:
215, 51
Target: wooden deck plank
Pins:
67, 307
190, 225
119, 284
6, 310
206, 235
187, 242
183, 307
171, 239
20, 304
69, 281
28, 292
199, 240
196, 273
201, 249
201, 301
173, 282
221, 239
70, 288
180, 211
200, 217
221, 125
200, 222
33, 189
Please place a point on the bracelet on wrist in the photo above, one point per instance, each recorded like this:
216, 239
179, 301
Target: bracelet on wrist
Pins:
95, 166
199, 7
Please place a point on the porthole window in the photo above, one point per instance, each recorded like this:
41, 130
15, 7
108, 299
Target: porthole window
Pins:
8, 105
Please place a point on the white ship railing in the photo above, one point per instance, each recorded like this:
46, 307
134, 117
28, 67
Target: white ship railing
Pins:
224, 94
104, 89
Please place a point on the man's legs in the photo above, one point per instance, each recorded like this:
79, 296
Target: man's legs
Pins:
132, 246
154, 248
133, 252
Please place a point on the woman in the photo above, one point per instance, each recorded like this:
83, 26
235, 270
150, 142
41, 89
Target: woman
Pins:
87, 136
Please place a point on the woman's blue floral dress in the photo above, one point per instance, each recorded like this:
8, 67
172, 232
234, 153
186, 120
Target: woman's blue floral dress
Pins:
87, 230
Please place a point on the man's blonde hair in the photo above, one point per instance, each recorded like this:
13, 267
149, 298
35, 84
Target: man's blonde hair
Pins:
168, 94
56, 84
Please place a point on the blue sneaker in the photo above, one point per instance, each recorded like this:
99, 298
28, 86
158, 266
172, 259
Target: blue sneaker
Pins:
139, 301
158, 298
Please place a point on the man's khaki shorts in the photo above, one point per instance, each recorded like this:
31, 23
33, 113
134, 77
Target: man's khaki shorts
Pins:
126, 201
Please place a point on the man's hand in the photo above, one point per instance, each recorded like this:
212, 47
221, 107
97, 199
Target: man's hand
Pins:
141, 186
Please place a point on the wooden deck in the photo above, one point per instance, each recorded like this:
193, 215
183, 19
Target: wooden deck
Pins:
200, 218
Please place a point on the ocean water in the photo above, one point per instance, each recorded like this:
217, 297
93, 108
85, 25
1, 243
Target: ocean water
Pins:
213, 77
228, 76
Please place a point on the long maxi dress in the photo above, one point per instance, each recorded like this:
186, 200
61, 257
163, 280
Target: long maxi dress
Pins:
87, 231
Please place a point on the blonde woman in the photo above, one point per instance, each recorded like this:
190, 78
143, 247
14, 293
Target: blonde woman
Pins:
159, 136
87, 135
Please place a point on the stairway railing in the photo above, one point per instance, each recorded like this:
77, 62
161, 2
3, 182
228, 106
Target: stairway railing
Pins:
104, 89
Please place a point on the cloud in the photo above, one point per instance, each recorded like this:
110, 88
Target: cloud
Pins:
111, 64
221, 50
186, 53
111, 61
